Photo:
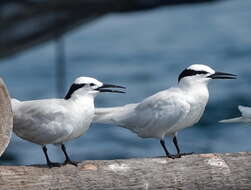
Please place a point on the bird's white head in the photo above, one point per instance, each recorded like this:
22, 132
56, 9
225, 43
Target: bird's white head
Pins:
90, 86
201, 74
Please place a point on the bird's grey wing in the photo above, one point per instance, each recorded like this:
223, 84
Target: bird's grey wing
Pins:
39, 120
157, 114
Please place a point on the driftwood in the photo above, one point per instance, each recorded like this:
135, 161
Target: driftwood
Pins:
25, 23
6, 118
205, 171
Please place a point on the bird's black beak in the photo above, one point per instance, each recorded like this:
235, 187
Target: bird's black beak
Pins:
105, 86
220, 75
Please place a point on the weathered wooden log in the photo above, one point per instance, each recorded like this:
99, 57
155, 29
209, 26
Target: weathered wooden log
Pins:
6, 118
25, 23
205, 171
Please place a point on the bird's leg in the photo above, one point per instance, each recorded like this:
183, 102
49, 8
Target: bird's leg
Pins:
67, 159
49, 163
178, 155
162, 142
175, 142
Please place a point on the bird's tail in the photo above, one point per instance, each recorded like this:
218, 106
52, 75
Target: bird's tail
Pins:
113, 115
105, 115
232, 120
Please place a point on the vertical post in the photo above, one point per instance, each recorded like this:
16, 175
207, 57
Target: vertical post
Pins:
60, 66
6, 117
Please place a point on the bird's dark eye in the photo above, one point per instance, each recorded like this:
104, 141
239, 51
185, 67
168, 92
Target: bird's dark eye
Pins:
92, 84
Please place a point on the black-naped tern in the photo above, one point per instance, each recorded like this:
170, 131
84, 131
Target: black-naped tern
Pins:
56, 121
166, 112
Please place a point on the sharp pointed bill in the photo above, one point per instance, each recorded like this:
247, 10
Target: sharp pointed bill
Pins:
56, 121
166, 112
91, 86
221, 75
104, 87
203, 72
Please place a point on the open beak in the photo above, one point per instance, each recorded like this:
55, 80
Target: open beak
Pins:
105, 86
220, 75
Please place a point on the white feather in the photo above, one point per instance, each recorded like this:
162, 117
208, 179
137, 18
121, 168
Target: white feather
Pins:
159, 115
168, 111
51, 121
54, 121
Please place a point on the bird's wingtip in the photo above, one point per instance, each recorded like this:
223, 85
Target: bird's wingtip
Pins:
232, 120
223, 121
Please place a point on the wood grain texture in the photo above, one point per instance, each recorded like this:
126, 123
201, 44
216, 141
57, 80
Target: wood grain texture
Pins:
6, 117
205, 171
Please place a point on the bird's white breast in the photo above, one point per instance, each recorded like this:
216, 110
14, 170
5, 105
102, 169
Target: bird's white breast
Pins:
52, 121
82, 117
197, 98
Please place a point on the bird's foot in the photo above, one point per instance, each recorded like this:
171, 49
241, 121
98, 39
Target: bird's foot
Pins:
186, 153
182, 154
170, 156
71, 162
173, 156
53, 164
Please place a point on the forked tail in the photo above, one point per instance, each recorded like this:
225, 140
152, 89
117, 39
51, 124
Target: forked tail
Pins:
113, 115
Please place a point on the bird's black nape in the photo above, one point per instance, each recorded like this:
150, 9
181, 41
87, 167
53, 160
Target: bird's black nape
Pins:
72, 89
190, 72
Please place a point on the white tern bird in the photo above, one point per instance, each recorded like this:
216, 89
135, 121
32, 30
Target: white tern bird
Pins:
245, 116
166, 112
56, 121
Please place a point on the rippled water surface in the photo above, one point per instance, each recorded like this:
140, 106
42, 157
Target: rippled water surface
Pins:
144, 51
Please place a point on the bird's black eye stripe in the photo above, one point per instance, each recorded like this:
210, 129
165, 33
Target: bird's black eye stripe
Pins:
190, 72
72, 89
92, 84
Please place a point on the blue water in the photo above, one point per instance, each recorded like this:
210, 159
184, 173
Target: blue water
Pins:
144, 51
